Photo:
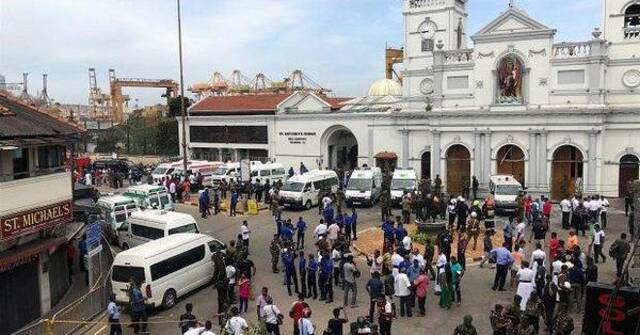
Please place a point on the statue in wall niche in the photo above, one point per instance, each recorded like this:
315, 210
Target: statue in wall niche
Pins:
510, 70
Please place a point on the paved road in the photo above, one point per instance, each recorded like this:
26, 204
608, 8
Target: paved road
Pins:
478, 298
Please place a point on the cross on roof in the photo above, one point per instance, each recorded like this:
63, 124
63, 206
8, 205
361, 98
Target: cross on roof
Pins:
511, 3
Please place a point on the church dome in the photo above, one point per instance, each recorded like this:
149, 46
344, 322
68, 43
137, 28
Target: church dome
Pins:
385, 87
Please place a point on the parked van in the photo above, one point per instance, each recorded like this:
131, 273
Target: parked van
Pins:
302, 190
365, 186
164, 170
150, 196
116, 209
144, 226
168, 268
272, 172
505, 189
403, 180
228, 172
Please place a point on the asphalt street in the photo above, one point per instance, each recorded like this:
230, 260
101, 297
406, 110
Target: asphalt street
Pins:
477, 297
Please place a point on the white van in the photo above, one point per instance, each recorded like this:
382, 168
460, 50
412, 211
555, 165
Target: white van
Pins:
144, 226
168, 268
272, 172
164, 170
116, 209
228, 172
302, 190
505, 189
403, 180
365, 186
150, 196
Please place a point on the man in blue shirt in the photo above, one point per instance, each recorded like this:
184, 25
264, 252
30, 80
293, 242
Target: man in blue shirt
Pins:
328, 214
233, 203
113, 312
302, 267
375, 287
340, 219
348, 223
504, 259
354, 222
312, 272
286, 233
138, 308
301, 228
326, 269
388, 231
507, 232
288, 259
400, 234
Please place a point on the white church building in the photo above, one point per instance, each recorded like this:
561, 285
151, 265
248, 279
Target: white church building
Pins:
516, 102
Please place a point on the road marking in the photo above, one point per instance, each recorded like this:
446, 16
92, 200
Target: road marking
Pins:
100, 330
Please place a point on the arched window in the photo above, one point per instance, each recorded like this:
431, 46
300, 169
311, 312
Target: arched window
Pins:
632, 22
510, 75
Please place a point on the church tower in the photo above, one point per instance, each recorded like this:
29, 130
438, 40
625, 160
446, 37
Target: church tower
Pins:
621, 27
429, 24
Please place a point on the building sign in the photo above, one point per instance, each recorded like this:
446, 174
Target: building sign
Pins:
33, 220
297, 137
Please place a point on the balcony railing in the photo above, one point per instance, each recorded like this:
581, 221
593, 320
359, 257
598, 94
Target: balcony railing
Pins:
425, 3
463, 56
632, 33
571, 50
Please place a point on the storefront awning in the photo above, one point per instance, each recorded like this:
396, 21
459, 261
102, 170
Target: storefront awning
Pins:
25, 253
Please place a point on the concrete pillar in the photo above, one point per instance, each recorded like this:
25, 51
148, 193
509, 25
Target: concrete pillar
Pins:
235, 155
484, 181
43, 282
543, 181
532, 171
435, 153
405, 147
370, 153
477, 153
220, 154
592, 161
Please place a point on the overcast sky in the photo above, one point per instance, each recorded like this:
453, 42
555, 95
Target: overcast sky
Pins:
338, 43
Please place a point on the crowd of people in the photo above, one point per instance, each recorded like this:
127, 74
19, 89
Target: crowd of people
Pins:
548, 285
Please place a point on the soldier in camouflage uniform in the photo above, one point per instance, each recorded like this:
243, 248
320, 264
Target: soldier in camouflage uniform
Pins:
274, 249
513, 311
534, 311
466, 328
384, 205
564, 323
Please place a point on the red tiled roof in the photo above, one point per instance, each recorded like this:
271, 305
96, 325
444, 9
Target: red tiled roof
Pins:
336, 103
244, 104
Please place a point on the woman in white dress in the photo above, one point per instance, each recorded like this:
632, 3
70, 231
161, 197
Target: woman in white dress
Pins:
525, 284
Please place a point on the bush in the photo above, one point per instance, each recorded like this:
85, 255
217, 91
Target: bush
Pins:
421, 238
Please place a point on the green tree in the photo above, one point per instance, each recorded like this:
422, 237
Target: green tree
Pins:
175, 108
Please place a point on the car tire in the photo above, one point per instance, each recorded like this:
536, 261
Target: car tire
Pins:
307, 205
169, 299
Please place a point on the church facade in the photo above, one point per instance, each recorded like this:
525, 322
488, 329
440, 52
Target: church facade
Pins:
556, 115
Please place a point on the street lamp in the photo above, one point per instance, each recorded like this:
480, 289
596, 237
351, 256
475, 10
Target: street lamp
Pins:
182, 105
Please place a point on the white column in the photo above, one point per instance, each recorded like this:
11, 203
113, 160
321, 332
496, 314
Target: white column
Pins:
484, 180
477, 153
370, 139
543, 181
405, 147
593, 159
532, 171
435, 153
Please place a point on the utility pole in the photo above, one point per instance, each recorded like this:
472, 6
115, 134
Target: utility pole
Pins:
182, 104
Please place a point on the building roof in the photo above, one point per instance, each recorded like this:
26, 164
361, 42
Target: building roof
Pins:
254, 104
251, 104
21, 123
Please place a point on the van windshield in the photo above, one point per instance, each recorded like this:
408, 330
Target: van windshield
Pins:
508, 189
359, 184
220, 171
160, 170
123, 274
291, 186
190, 228
164, 199
402, 184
